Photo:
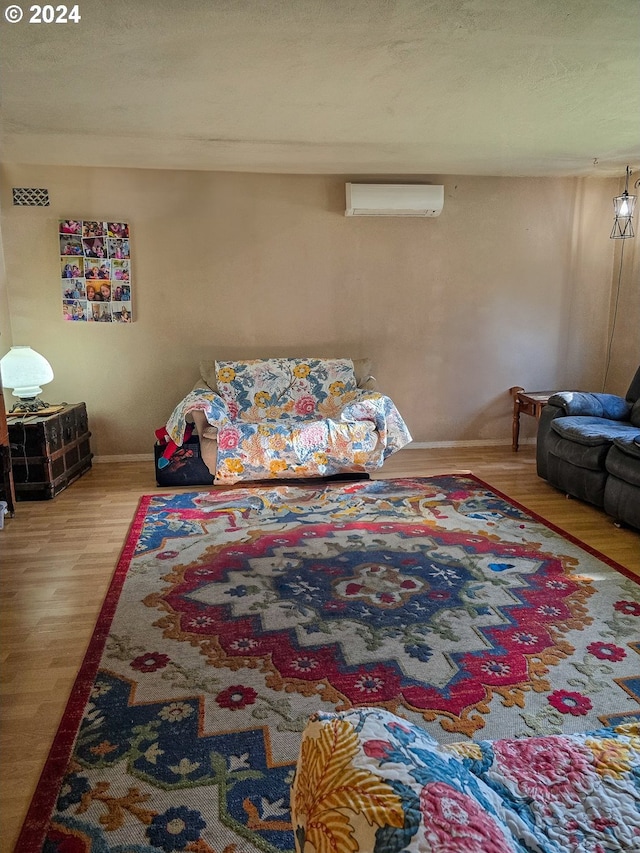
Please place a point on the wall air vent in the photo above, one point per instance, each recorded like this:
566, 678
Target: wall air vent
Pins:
394, 200
30, 197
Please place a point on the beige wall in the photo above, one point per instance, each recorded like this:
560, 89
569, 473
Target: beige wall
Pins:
5, 320
510, 285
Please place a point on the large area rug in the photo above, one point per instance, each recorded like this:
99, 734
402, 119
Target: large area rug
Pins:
234, 615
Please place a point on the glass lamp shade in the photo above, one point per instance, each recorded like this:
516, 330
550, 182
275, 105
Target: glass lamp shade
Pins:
24, 370
624, 206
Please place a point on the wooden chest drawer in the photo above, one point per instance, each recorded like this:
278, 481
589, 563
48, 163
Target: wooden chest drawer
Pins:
49, 452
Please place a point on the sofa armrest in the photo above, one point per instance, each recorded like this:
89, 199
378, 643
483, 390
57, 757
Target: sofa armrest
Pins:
576, 403
549, 413
368, 383
200, 399
592, 405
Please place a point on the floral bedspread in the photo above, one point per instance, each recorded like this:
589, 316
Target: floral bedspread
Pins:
368, 780
283, 388
282, 418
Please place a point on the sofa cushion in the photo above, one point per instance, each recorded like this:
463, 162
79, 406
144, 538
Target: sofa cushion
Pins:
261, 390
591, 431
635, 414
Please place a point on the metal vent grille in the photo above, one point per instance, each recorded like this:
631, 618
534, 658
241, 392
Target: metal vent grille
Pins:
30, 197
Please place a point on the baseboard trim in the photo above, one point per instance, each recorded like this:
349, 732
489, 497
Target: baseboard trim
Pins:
475, 442
414, 445
125, 457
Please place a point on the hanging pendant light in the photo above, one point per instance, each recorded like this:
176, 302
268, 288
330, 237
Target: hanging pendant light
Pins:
623, 206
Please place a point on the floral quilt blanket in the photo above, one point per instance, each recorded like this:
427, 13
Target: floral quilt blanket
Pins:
368, 780
283, 418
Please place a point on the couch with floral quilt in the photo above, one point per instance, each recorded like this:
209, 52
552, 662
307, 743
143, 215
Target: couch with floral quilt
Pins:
289, 417
370, 781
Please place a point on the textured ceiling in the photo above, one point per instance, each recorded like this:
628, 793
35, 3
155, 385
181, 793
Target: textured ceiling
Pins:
488, 87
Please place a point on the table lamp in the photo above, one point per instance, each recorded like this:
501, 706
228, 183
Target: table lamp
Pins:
24, 370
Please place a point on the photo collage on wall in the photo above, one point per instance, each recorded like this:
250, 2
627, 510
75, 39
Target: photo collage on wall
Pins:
95, 269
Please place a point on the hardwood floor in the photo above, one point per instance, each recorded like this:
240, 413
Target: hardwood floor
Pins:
58, 557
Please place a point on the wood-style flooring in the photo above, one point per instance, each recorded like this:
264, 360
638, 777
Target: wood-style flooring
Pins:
57, 558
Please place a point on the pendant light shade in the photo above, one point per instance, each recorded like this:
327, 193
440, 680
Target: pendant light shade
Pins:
623, 206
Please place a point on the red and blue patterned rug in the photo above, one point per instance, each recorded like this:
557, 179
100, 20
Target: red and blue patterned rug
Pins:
234, 615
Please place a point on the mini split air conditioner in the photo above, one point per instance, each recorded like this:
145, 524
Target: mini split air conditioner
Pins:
394, 200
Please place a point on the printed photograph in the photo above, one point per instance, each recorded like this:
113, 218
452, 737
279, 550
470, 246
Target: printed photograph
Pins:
73, 310
117, 292
117, 229
121, 312
98, 291
118, 248
93, 229
72, 269
121, 270
100, 313
97, 270
70, 245
73, 288
70, 226
94, 247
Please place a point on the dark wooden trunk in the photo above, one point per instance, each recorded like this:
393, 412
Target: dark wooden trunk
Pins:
48, 452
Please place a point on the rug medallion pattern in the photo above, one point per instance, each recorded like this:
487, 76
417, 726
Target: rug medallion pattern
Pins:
242, 612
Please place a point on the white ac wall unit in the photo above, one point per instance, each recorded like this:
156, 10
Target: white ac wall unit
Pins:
394, 200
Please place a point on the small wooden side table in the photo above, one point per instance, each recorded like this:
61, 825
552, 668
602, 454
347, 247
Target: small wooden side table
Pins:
528, 402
